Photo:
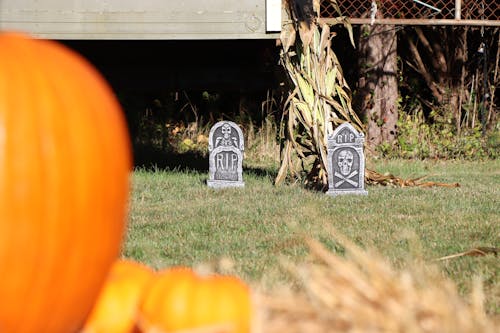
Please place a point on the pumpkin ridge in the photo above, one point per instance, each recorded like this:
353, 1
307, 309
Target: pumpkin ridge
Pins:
23, 130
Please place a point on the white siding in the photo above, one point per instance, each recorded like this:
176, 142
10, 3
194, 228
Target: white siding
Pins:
137, 19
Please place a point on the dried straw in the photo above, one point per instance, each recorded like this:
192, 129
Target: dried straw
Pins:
363, 293
375, 178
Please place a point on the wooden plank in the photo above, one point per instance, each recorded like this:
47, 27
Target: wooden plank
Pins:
130, 19
485, 23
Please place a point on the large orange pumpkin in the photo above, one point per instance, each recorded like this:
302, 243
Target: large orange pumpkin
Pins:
64, 182
178, 299
118, 303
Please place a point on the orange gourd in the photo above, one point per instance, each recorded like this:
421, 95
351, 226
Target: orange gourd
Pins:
64, 182
116, 308
179, 299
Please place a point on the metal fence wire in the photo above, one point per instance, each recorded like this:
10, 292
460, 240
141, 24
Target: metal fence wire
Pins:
414, 9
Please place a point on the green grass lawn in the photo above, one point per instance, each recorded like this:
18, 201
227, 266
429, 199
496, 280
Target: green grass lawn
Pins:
175, 219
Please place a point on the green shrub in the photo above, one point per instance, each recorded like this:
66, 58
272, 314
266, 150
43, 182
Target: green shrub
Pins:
419, 139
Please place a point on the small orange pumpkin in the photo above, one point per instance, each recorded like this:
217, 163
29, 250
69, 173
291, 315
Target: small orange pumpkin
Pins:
179, 299
116, 308
64, 183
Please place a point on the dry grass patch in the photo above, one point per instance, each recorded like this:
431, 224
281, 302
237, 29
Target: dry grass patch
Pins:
363, 293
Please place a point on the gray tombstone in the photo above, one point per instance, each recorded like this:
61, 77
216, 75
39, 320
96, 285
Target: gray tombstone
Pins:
225, 146
346, 161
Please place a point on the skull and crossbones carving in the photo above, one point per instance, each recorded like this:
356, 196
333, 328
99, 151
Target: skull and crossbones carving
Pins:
345, 161
226, 139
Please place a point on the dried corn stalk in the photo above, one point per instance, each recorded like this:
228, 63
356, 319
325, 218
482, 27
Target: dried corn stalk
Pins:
375, 178
362, 292
320, 100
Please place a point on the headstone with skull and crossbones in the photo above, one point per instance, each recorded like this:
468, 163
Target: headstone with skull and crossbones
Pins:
225, 146
346, 161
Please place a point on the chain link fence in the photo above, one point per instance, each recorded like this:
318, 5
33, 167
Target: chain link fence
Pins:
415, 9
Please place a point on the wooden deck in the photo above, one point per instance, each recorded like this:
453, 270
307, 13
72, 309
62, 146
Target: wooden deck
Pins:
132, 19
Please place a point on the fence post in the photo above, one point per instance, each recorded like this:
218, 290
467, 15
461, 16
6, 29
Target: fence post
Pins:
458, 9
